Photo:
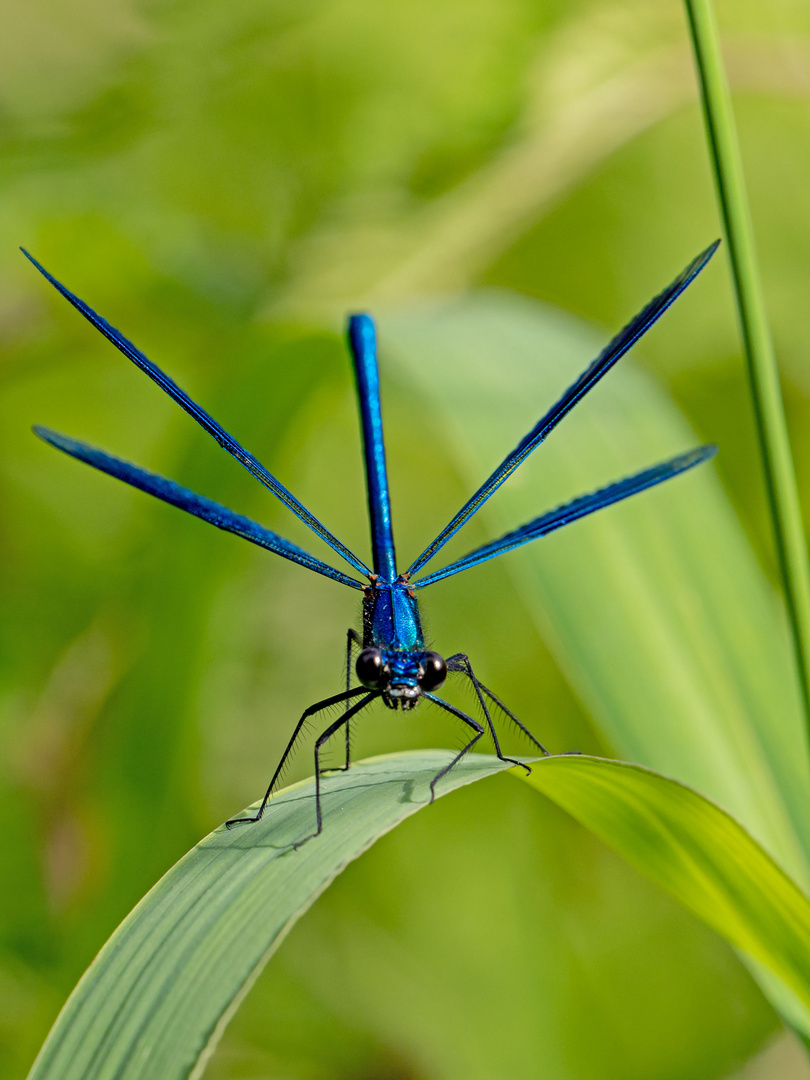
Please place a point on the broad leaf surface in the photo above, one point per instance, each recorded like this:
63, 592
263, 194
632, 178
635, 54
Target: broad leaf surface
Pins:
156, 996
695, 851
160, 992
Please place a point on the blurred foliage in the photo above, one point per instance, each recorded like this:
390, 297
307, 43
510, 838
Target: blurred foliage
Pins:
224, 183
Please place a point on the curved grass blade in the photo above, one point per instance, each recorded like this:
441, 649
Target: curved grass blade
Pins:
161, 991
699, 854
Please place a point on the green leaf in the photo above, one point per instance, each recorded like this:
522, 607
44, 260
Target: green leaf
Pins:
159, 994
694, 850
162, 989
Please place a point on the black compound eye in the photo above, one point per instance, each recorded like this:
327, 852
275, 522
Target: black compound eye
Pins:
370, 668
434, 671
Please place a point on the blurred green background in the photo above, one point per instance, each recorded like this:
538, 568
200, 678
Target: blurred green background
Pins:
224, 183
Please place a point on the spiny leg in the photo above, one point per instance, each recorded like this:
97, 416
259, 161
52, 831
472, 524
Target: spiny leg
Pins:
468, 720
461, 662
352, 638
524, 729
330, 731
514, 719
311, 711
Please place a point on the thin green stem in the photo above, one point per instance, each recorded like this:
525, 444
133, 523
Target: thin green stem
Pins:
780, 477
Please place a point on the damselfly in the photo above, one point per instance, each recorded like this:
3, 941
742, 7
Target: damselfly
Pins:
393, 664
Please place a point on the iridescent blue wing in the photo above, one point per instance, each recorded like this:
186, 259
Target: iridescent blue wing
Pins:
623, 341
207, 509
205, 421
577, 508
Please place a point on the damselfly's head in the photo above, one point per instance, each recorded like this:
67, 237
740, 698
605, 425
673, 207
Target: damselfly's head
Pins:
400, 676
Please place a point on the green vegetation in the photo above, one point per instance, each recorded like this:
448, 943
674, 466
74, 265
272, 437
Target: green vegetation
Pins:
224, 184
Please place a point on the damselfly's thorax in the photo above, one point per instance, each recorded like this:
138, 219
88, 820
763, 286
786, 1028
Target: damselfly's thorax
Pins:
391, 616
394, 659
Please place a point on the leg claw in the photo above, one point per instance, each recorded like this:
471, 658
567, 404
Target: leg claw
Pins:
516, 763
241, 821
300, 843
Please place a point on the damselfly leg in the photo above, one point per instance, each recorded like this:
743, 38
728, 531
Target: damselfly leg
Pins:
313, 710
333, 729
352, 638
460, 662
468, 720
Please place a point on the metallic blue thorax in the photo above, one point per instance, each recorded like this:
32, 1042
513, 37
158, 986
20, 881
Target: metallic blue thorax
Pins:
391, 624
391, 619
